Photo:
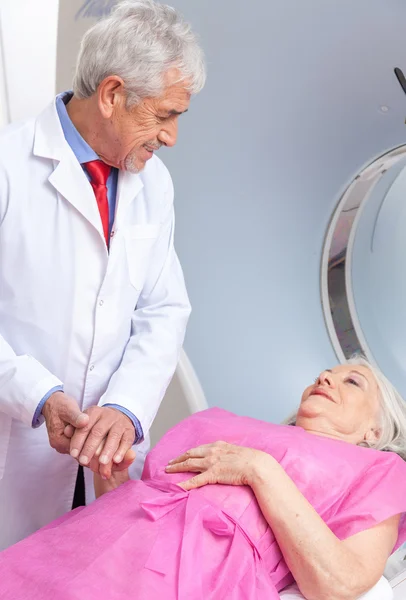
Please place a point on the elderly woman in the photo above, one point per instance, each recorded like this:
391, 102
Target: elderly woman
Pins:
319, 502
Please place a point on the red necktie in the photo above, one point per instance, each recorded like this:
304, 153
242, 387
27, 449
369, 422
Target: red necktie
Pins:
99, 173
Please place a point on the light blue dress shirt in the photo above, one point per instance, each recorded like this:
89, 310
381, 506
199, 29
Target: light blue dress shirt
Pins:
84, 153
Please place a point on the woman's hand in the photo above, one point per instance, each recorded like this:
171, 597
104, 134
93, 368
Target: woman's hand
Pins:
118, 477
220, 463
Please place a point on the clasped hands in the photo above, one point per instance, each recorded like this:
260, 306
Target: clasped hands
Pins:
100, 438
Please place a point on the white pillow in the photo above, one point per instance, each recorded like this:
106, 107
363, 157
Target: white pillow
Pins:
395, 573
398, 584
382, 591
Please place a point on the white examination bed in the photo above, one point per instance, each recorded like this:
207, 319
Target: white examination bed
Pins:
382, 591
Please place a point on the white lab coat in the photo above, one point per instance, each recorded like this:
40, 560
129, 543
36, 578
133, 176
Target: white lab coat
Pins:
67, 309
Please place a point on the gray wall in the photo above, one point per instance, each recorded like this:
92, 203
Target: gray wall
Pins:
291, 112
75, 18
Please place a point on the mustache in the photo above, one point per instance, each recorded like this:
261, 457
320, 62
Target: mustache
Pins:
153, 147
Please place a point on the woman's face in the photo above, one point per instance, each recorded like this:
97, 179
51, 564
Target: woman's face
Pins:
343, 403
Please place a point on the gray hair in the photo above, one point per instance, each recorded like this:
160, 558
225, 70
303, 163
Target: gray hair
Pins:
392, 427
140, 41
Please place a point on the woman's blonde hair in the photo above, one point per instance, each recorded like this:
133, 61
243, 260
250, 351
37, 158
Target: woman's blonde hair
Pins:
392, 430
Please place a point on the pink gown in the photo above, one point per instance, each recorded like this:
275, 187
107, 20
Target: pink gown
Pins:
150, 540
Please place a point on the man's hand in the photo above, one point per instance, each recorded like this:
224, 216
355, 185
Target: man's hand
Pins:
109, 432
59, 411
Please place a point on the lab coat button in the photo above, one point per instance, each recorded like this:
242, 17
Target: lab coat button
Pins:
101, 302
91, 368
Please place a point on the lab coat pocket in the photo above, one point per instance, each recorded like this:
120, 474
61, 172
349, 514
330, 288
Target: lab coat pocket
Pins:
139, 240
5, 428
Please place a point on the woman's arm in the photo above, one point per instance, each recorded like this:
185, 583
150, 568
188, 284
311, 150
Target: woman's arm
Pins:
324, 567
102, 486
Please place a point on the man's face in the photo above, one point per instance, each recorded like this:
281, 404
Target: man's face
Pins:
133, 135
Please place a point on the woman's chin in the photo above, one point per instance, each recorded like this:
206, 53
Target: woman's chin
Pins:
311, 410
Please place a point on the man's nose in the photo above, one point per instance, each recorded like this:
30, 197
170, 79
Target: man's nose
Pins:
169, 135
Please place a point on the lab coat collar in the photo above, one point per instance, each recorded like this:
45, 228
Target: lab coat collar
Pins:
49, 139
68, 177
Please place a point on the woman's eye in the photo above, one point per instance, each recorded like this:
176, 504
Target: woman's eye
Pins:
353, 382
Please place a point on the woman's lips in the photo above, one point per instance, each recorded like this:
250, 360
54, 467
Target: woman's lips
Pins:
319, 392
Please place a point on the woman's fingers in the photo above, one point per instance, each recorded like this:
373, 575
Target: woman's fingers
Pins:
125, 463
199, 452
94, 465
184, 457
190, 465
196, 482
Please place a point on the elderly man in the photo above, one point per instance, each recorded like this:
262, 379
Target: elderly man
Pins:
93, 306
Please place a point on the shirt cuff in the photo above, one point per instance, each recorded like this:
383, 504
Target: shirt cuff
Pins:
139, 434
38, 418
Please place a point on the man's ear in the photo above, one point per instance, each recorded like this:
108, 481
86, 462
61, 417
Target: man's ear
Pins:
111, 94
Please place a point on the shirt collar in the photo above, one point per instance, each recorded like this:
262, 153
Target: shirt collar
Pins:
81, 149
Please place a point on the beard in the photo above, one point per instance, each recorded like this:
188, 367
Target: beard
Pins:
133, 164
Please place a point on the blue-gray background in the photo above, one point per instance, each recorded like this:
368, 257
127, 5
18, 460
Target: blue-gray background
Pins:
291, 112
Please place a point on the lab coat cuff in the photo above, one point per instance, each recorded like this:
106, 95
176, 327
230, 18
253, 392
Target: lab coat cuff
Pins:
39, 419
40, 395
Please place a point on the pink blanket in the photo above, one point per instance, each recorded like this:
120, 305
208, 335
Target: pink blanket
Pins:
150, 540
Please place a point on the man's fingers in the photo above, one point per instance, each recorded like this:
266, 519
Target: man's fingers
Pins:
69, 431
107, 435
57, 440
71, 414
60, 443
99, 449
124, 449
94, 440
117, 444
92, 435
110, 447
81, 420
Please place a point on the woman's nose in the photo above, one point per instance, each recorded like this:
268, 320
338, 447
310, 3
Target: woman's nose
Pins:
326, 378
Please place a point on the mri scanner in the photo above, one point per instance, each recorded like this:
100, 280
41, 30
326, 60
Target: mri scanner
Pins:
293, 242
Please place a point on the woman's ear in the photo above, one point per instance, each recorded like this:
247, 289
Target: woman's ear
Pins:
372, 435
